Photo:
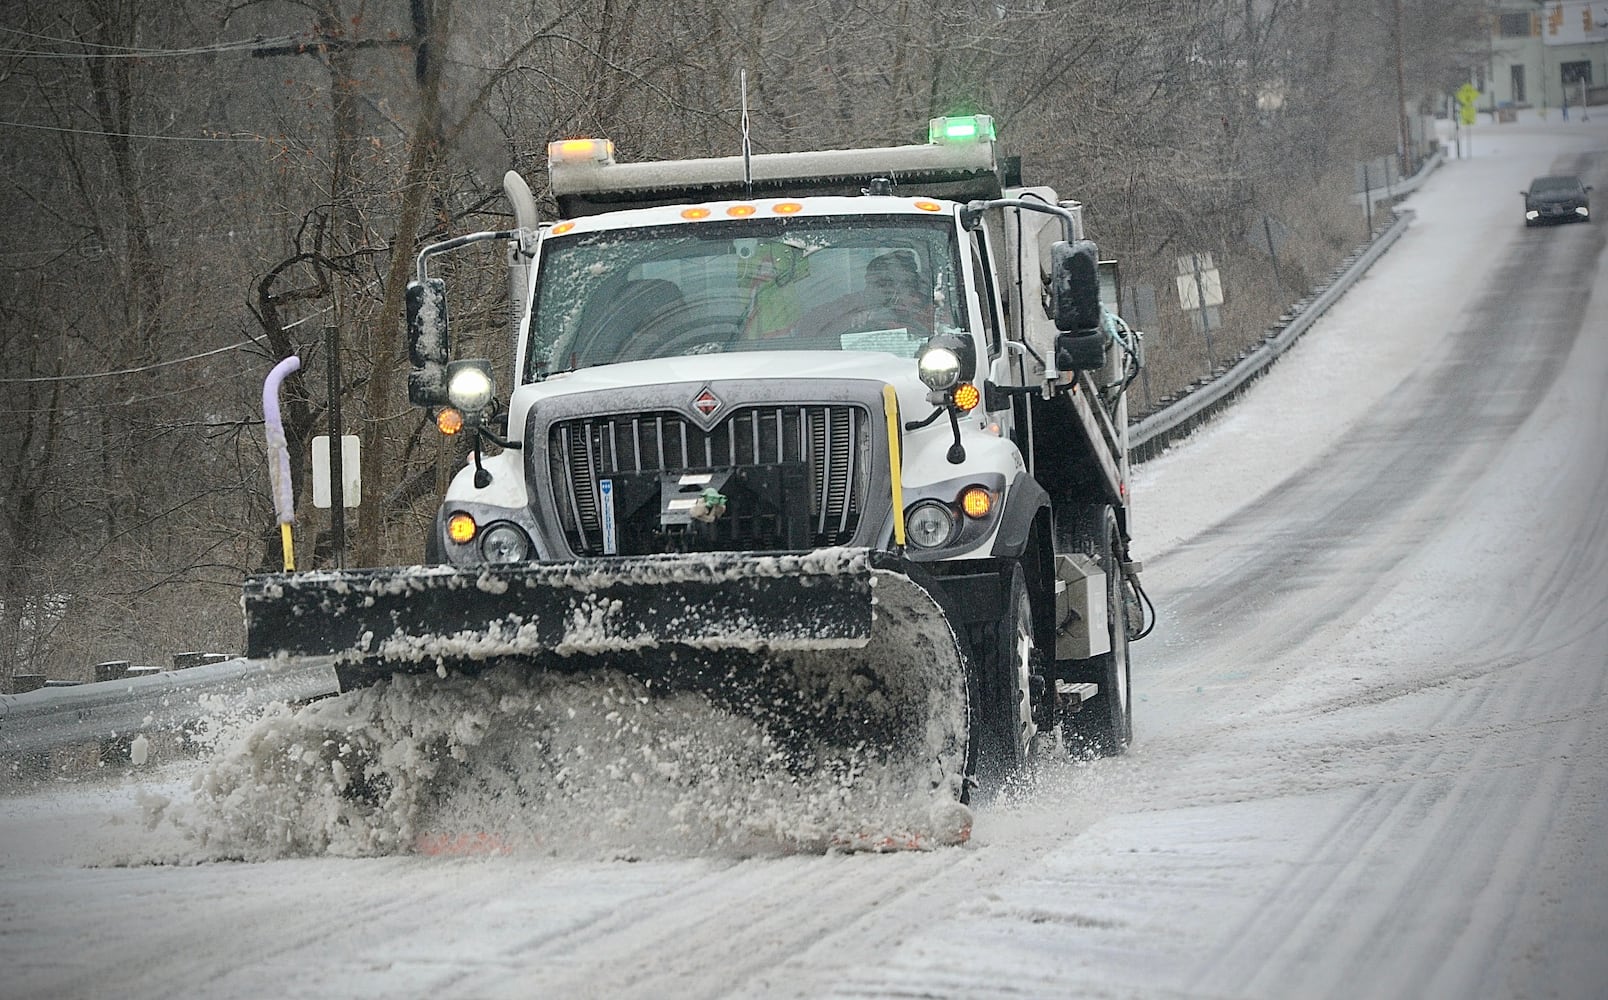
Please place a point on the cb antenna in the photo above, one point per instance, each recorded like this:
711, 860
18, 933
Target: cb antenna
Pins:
748, 172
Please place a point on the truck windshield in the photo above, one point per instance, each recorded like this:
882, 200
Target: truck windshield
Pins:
835, 283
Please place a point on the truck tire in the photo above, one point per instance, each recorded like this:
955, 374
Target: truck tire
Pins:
1104, 724
1002, 657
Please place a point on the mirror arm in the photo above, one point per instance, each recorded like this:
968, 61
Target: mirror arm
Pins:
916, 425
1068, 219
957, 451
499, 440
422, 265
482, 477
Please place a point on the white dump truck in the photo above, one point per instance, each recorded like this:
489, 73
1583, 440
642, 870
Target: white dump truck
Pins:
836, 439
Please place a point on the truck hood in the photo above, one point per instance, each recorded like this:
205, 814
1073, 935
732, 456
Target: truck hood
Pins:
743, 366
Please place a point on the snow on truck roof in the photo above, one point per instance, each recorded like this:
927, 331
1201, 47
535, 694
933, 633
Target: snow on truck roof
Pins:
957, 163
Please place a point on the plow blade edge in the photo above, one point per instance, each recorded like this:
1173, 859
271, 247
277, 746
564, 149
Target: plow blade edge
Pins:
426, 614
839, 648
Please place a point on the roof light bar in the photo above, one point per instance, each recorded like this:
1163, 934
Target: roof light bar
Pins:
580, 151
958, 164
961, 128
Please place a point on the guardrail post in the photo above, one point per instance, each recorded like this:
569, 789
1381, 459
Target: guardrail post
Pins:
111, 670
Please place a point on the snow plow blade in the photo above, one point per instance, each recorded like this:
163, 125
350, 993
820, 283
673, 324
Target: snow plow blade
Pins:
840, 645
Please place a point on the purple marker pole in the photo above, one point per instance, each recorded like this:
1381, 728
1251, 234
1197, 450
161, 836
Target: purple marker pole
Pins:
279, 456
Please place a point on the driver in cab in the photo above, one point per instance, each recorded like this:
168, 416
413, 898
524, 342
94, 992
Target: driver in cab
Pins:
894, 297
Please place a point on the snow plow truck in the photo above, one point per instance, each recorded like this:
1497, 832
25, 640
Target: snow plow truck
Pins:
835, 439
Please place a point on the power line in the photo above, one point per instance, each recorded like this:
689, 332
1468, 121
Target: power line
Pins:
125, 371
134, 54
105, 51
122, 402
137, 135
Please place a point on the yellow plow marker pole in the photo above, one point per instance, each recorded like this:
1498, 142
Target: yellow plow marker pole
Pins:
890, 408
290, 550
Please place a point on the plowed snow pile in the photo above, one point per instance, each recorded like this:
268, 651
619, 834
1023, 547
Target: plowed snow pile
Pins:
550, 764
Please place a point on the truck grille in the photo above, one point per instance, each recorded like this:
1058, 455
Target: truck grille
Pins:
798, 478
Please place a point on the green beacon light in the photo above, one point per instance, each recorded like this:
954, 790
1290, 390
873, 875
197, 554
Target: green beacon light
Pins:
966, 128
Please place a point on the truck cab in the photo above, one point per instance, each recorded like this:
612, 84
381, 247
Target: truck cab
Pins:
754, 336
857, 412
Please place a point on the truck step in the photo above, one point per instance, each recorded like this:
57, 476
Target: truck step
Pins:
1073, 695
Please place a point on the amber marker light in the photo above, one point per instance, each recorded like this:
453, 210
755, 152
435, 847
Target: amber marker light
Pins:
449, 421
695, 213
929, 206
976, 502
966, 397
580, 150
787, 208
461, 528
741, 211
561, 228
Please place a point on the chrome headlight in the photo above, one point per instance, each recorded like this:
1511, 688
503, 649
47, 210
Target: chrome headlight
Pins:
929, 524
469, 388
945, 360
938, 368
504, 543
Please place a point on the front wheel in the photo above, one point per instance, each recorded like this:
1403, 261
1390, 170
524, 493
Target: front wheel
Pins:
1001, 664
1104, 725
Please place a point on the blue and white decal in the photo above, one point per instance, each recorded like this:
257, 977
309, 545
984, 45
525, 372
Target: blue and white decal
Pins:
605, 503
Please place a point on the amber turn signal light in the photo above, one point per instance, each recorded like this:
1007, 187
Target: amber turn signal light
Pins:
461, 528
976, 502
449, 421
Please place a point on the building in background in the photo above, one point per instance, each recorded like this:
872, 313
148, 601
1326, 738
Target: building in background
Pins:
1546, 54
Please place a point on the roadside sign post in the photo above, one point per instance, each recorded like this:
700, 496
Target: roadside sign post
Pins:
1466, 115
1200, 291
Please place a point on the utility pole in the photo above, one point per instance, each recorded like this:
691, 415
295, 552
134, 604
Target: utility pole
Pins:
1544, 75
1401, 100
337, 432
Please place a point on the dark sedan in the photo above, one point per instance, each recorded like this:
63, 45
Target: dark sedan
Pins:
1560, 198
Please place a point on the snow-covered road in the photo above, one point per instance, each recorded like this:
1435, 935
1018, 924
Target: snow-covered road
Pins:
1372, 732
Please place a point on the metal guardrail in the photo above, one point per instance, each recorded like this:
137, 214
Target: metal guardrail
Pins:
1403, 187
172, 701
175, 701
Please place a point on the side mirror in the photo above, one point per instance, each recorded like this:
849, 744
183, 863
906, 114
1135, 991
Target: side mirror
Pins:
1075, 286
428, 345
1080, 351
1110, 286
